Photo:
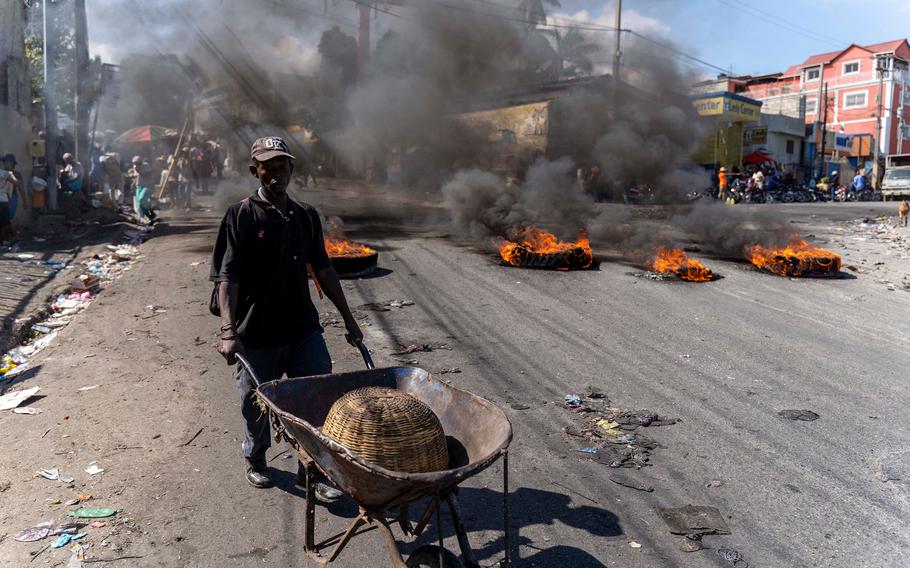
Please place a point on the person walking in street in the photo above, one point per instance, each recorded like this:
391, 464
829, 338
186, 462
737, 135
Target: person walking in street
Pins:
72, 179
143, 176
18, 195
859, 182
259, 267
9, 184
184, 188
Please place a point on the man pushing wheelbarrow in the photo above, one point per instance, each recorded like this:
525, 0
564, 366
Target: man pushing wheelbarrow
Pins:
260, 268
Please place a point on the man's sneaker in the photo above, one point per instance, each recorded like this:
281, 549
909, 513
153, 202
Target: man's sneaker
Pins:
259, 478
324, 492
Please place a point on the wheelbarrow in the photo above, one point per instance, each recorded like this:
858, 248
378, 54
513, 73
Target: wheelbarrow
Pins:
477, 431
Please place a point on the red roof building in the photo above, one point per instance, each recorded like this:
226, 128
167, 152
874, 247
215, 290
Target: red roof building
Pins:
852, 80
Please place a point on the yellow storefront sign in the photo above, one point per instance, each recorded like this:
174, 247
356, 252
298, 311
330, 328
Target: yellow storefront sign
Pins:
728, 108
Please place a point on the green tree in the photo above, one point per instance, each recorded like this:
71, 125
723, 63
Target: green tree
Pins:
534, 12
571, 53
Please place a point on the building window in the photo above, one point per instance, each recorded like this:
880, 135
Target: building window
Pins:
850, 68
855, 100
907, 94
811, 106
790, 146
813, 74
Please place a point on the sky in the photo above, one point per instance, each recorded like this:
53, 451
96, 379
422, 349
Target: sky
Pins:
750, 37
739, 36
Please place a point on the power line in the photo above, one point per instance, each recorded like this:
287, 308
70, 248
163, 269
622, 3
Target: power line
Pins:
785, 24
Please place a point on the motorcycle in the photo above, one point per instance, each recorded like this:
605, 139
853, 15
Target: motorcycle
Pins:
843, 194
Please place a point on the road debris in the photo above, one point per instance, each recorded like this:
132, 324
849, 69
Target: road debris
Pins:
97, 513
27, 410
66, 538
386, 306
732, 557
93, 469
627, 481
691, 543
804, 415
11, 400
448, 370
35, 533
713, 483
634, 544
422, 348
88, 388
196, 435
694, 519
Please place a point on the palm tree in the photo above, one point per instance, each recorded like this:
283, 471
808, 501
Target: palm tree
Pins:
535, 11
571, 53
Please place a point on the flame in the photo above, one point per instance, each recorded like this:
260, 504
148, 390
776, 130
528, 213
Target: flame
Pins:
675, 261
532, 241
343, 247
798, 258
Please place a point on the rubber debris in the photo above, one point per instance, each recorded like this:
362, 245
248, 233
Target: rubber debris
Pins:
694, 519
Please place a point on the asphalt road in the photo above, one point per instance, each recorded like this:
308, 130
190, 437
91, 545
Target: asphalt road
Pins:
723, 357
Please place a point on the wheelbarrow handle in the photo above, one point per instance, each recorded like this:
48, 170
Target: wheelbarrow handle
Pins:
364, 352
241, 360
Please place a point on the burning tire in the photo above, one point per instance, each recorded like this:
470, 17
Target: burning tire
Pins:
796, 259
354, 266
539, 249
574, 259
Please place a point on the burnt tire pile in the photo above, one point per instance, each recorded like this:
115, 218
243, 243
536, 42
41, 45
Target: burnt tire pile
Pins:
576, 258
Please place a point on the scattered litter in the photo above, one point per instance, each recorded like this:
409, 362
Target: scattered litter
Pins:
589, 450
37, 532
66, 538
593, 392
694, 519
98, 524
572, 400
93, 469
72, 502
98, 513
51, 473
732, 557
421, 348
77, 556
195, 263
448, 370
804, 415
713, 483
28, 410
88, 388
627, 481
387, 306
634, 544
53, 502
26, 256
518, 406
691, 543
13, 399
156, 309
196, 435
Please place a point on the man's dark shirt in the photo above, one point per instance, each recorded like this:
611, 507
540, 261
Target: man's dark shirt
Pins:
266, 252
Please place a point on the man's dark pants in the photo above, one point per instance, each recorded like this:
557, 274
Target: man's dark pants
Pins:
304, 357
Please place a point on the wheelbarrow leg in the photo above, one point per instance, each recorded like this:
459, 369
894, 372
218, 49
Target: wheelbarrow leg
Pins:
466, 552
309, 542
505, 506
391, 545
358, 522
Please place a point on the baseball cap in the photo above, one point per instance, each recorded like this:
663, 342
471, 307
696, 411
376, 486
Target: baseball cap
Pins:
265, 149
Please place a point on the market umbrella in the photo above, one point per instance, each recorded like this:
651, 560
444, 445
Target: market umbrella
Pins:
145, 134
757, 158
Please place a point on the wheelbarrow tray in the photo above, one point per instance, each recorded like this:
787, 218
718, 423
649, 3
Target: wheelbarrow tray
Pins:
477, 431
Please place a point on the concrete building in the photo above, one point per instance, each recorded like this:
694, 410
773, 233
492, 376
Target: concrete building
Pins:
729, 116
852, 79
779, 136
15, 91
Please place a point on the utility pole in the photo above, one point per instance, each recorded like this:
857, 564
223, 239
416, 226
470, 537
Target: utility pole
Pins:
50, 107
81, 108
617, 50
821, 171
363, 37
878, 122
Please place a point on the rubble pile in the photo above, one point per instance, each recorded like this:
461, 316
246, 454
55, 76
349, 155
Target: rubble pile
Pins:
612, 434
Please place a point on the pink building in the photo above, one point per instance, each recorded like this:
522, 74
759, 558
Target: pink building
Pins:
853, 87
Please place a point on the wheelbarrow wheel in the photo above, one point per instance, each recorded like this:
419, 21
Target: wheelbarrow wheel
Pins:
427, 556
